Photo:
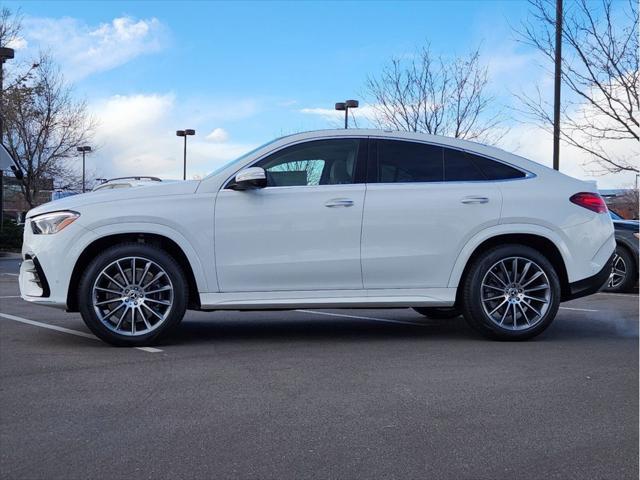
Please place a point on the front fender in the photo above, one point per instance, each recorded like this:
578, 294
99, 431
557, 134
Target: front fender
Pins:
190, 252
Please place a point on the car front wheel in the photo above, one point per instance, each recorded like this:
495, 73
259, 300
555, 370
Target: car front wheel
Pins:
131, 294
512, 292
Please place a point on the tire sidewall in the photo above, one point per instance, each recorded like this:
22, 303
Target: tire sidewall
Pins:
472, 305
155, 254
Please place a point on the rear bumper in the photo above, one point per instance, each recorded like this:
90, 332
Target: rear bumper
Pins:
590, 285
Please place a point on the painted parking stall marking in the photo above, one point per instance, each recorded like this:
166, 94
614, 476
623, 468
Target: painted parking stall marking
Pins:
68, 331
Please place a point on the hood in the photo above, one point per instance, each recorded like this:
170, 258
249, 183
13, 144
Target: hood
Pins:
159, 189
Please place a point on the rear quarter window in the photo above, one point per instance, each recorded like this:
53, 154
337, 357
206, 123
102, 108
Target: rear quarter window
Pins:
493, 170
460, 167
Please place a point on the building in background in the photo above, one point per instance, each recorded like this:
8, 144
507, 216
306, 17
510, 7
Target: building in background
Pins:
15, 205
623, 201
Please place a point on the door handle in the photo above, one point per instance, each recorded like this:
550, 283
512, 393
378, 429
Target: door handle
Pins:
474, 200
339, 202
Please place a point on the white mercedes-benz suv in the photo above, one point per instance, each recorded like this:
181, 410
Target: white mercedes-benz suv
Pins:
329, 219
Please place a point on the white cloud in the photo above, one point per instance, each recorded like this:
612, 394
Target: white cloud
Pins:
136, 136
218, 135
83, 49
536, 144
18, 43
363, 116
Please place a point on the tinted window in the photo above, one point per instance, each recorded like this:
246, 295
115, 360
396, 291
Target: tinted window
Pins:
495, 170
400, 161
459, 167
321, 162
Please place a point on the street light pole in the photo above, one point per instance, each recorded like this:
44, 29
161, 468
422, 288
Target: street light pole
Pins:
556, 89
5, 54
185, 133
84, 150
346, 105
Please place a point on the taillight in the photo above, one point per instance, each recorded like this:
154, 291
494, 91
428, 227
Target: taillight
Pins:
590, 201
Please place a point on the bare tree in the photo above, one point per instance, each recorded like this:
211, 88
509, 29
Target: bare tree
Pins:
10, 26
42, 122
44, 125
600, 75
435, 95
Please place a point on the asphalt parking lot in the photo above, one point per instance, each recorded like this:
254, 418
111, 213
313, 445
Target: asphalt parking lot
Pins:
319, 394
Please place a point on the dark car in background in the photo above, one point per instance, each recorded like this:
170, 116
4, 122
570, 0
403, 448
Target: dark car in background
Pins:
624, 273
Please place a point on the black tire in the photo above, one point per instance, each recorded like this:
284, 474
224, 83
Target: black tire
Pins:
472, 290
625, 284
174, 312
438, 312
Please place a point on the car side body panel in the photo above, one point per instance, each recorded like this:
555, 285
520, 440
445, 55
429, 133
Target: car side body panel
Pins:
426, 273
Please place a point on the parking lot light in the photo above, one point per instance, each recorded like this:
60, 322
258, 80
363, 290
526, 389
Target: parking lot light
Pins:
185, 133
345, 106
84, 149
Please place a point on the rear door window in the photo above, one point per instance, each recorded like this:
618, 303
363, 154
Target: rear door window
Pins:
402, 162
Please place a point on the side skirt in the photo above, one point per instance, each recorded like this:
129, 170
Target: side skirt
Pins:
388, 298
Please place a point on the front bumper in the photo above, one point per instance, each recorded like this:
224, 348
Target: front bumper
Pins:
590, 285
48, 262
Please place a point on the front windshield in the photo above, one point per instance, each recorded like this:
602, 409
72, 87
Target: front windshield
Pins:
615, 216
241, 158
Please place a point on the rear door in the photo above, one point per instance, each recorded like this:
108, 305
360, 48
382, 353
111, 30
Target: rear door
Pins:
424, 202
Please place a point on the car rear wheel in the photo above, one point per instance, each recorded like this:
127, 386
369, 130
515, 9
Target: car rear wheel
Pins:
623, 276
438, 312
131, 294
511, 292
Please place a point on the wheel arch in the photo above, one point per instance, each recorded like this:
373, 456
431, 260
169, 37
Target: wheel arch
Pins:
623, 243
100, 244
536, 240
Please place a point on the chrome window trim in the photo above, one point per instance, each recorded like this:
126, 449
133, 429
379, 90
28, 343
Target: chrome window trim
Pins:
527, 174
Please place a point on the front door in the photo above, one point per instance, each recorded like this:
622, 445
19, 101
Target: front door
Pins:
300, 232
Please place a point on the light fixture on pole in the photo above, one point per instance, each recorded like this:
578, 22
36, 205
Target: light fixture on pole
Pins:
185, 134
346, 105
84, 149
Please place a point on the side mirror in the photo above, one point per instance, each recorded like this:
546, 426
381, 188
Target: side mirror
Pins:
250, 178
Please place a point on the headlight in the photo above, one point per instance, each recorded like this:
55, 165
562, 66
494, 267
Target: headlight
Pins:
637, 235
49, 223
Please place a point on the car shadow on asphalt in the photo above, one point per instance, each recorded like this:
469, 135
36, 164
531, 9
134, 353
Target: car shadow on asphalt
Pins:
330, 330
202, 330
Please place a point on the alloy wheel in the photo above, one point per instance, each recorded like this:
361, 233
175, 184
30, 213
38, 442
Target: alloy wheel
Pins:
515, 293
132, 296
618, 272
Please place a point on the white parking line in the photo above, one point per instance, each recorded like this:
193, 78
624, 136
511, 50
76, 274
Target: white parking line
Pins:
618, 294
10, 296
66, 330
11, 274
359, 317
579, 309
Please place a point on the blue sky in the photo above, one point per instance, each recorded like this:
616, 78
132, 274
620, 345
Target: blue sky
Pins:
241, 73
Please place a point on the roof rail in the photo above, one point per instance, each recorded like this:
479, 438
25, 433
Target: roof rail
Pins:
137, 177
